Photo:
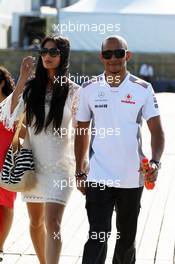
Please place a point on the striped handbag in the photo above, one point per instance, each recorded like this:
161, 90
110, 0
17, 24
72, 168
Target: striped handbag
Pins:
18, 172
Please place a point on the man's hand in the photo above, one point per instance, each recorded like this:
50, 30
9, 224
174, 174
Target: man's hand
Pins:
81, 181
151, 174
81, 147
81, 184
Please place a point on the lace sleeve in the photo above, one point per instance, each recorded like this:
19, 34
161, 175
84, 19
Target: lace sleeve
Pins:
74, 96
6, 116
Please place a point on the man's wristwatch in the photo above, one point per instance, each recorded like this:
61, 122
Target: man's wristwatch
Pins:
80, 174
157, 163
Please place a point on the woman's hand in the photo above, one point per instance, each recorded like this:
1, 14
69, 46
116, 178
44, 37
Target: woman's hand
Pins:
26, 68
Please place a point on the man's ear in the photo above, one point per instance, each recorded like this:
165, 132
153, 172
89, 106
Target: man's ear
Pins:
128, 55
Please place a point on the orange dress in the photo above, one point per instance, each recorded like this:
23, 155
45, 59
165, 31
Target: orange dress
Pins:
7, 198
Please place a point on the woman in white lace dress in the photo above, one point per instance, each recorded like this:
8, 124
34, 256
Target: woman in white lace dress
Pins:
50, 100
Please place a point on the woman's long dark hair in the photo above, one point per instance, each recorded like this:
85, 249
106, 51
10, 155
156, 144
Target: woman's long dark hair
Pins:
9, 83
35, 91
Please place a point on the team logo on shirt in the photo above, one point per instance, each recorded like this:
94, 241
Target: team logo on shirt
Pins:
101, 106
128, 99
155, 101
101, 97
101, 94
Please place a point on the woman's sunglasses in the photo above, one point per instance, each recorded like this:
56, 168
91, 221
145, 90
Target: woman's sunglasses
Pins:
53, 52
118, 53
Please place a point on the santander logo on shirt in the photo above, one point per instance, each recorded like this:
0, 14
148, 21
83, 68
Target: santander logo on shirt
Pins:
128, 99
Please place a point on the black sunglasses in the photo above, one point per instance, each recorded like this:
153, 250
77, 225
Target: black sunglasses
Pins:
53, 52
118, 53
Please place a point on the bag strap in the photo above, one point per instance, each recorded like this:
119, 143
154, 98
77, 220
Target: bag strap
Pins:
15, 141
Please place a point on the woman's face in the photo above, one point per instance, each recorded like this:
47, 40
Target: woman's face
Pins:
50, 60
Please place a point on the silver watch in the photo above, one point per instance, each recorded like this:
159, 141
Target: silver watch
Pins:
156, 163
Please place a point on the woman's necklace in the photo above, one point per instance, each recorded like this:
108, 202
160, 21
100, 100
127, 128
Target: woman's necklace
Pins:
49, 91
50, 85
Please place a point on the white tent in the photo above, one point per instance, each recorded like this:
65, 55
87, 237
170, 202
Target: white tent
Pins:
7, 8
147, 25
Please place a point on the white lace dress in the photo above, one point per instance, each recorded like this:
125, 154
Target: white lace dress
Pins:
53, 154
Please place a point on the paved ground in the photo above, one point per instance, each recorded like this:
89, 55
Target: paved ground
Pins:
156, 228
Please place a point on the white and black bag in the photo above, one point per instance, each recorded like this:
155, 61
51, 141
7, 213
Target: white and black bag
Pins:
18, 172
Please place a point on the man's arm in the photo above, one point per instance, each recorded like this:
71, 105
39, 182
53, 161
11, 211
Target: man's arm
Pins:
157, 137
157, 144
81, 147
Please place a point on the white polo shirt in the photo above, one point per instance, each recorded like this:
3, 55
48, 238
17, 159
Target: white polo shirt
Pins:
116, 114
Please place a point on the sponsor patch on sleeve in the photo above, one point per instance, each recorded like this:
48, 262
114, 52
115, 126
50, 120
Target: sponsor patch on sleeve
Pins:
138, 81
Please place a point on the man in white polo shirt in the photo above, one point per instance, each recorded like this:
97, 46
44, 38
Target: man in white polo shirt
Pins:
115, 103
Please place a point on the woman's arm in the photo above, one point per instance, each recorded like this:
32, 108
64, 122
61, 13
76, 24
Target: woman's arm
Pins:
25, 72
12, 107
75, 96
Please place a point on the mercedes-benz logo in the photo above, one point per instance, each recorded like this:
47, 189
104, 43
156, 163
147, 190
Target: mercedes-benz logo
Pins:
101, 94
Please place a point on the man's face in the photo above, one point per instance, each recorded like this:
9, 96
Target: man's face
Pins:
113, 64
